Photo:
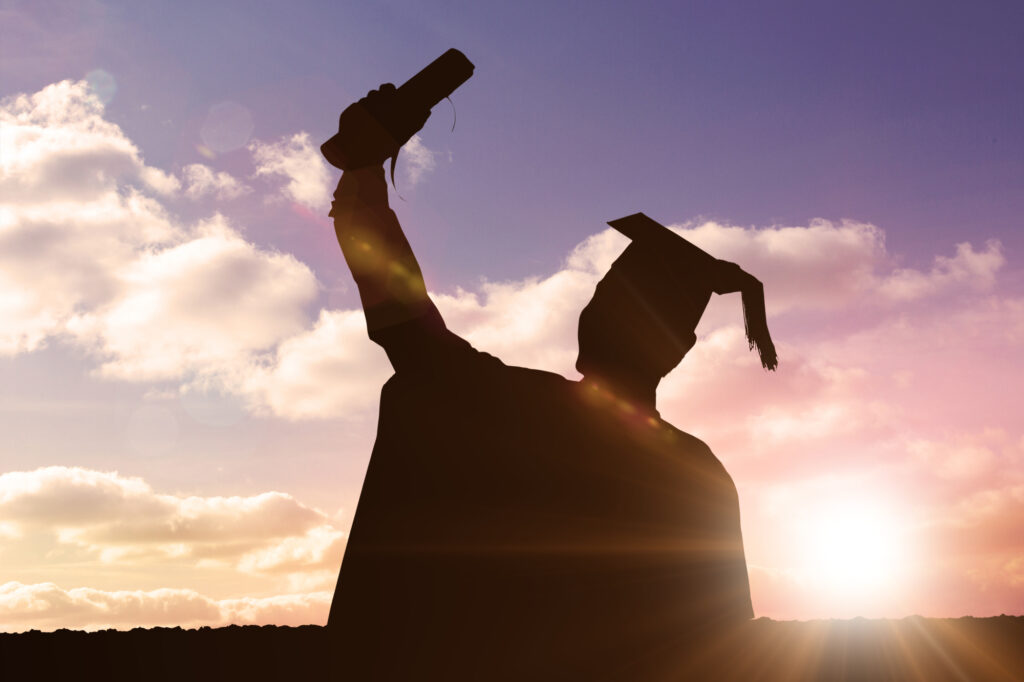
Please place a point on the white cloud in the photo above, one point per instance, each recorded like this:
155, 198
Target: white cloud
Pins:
115, 518
101, 524
61, 258
163, 183
319, 549
968, 269
72, 210
299, 161
198, 307
533, 321
87, 257
70, 495
828, 264
417, 160
48, 606
201, 180
285, 609
106, 527
840, 259
57, 145
331, 370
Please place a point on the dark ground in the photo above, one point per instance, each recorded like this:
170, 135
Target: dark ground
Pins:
908, 649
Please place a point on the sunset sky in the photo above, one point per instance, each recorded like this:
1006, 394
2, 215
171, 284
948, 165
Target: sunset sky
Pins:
187, 395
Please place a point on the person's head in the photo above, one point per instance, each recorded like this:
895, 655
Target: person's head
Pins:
637, 323
642, 318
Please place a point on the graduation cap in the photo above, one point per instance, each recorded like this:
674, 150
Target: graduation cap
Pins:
698, 274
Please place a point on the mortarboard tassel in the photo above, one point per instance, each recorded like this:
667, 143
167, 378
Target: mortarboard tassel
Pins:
755, 321
723, 277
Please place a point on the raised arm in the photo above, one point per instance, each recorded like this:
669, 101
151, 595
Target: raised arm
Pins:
399, 313
390, 281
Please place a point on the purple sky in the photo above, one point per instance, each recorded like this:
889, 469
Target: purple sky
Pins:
899, 348
906, 115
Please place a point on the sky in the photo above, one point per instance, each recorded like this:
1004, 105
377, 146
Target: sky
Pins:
187, 394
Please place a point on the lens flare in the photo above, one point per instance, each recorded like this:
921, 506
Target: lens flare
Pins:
228, 126
854, 550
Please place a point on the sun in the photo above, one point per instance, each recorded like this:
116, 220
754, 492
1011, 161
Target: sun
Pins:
854, 549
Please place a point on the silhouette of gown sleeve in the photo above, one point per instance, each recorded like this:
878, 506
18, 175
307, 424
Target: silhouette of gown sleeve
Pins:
513, 524
399, 314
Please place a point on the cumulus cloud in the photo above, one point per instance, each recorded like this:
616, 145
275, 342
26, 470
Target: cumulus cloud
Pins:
529, 322
331, 370
319, 549
58, 145
115, 518
417, 160
74, 210
96, 522
47, 606
197, 307
299, 162
828, 264
90, 255
840, 258
967, 269
201, 180
64, 257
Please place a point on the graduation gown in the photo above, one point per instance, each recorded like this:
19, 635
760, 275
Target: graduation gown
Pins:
517, 525
514, 524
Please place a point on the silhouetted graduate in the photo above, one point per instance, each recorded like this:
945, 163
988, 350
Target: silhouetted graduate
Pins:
514, 524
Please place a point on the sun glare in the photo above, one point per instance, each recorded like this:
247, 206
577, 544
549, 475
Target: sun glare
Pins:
854, 549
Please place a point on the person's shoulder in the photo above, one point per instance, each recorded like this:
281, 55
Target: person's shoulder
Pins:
697, 457
687, 445
525, 382
455, 359
687, 441
533, 375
